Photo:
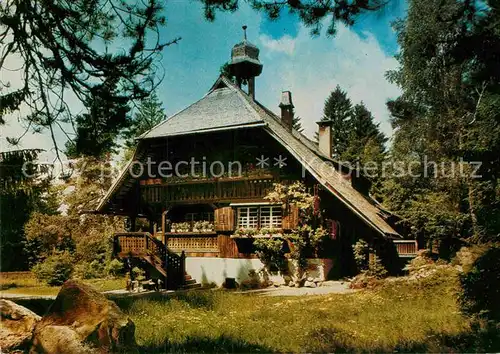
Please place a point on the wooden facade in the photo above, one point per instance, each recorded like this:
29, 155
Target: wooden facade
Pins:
218, 176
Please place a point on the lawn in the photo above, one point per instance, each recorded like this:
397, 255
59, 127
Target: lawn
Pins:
24, 283
402, 316
417, 317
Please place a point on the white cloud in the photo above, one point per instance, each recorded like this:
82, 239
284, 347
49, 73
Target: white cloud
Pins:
317, 65
285, 44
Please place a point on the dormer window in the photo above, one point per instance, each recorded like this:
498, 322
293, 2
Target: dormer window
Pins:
257, 217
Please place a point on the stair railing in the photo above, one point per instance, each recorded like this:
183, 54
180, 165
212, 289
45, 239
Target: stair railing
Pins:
140, 244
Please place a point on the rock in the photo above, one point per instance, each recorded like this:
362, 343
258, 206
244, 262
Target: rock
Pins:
310, 284
16, 326
82, 320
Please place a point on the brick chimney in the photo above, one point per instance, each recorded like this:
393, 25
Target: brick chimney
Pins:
286, 106
325, 137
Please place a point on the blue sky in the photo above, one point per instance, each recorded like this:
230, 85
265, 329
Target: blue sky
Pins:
356, 59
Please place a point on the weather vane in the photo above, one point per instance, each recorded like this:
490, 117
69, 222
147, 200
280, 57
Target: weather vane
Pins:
245, 32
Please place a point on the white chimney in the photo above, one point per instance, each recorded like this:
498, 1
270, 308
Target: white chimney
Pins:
325, 137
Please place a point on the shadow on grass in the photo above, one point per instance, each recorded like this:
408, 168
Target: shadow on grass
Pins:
484, 339
7, 286
327, 339
195, 299
220, 344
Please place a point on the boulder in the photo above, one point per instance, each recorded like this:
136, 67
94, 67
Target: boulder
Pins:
82, 320
16, 326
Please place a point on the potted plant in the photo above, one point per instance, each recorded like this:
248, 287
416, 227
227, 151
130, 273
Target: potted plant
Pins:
207, 226
198, 226
184, 227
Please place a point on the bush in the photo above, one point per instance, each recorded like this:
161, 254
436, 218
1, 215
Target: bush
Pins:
271, 253
92, 270
361, 251
115, 268
481, 286
55, 269
376, 268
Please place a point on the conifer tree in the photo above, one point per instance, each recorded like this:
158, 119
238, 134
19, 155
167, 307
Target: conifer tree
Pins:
149, 114
338, 109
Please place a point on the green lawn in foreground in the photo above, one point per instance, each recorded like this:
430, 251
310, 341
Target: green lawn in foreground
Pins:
421, 316
27, 284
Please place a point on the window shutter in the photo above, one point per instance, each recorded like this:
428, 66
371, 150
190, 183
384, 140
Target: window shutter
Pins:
224, 219
290, 217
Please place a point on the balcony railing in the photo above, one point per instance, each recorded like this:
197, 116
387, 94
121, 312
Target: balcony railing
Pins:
406, 248
209, 190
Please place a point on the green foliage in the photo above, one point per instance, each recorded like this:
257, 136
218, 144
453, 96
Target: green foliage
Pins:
138, 274
356, 138
448, 113
376, 268
88, 237
58, 61
306, 240
361, 253
312, 13
271, 252
338, 109
481, 286
309, 234
20, 194
92, 270
370, 266
149, 114
115, 268
98, 129
224, 70
55, 269
365, 141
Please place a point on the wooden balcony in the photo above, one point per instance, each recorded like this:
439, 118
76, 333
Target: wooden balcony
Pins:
406, 248
208, 190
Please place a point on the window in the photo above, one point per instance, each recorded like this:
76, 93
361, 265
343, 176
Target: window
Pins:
270, 217
256, 217
202, 216
248, 217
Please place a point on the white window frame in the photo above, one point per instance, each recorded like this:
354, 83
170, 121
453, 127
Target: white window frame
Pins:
248, 217
274, 219
252, 216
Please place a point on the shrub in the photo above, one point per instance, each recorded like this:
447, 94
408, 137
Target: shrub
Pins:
138, 274
271, 252
115, 268
92, 270
376, 268
55, 269
481, 286
466, 256
361, 251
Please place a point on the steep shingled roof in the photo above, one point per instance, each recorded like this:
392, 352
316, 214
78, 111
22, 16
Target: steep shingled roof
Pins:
227, 107
221, 108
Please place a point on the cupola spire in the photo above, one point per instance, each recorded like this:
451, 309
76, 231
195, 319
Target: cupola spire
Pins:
245, 64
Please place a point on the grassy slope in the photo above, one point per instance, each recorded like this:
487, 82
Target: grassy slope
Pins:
398, 316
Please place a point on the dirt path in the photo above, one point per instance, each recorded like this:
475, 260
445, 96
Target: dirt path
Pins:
328, 287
